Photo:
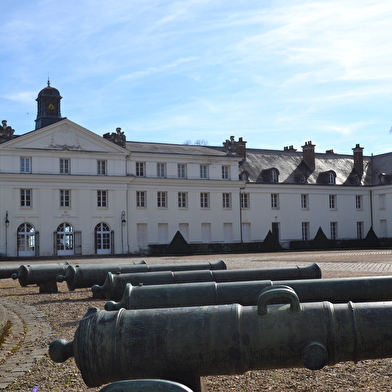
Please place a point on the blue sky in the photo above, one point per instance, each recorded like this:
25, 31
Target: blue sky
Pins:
276, 73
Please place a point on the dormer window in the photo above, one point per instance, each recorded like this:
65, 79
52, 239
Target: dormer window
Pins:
270, 175
300, 178
273, 175
385, 178
327, 178
331, 178
244, 176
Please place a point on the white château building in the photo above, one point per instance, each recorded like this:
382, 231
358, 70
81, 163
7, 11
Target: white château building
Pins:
65, 190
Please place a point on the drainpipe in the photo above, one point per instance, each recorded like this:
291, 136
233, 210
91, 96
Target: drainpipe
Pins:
371, 208
241, 235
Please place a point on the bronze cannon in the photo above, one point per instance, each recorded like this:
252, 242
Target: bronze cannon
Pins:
183, 344
339, 290
87, 275
114, 285
43, 275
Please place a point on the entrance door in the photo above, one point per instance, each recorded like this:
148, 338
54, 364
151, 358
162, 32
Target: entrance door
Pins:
65, 240
102, 239
26, 240
275, 230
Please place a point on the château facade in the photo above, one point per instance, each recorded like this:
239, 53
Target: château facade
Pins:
68, 191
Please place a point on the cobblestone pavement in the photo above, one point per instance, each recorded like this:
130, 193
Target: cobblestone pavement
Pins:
30, 328
25, 344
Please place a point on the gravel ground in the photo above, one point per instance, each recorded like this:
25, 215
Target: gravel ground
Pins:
65, 309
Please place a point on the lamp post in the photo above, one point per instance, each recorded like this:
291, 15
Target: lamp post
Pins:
6, 223
123, 223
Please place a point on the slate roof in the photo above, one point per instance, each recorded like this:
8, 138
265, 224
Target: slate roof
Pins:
290, 165
179, 149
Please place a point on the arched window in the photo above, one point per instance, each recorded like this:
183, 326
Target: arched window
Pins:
103, 243
331, 178
64, 239
26, 240
274, 175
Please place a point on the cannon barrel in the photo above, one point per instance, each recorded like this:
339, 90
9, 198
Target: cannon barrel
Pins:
114, 285
28, 274
87, 275
145, 386
174, 343
7, 270
338, 290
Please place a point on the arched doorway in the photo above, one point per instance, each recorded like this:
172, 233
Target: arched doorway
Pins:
103, 239
65, 239
26, 240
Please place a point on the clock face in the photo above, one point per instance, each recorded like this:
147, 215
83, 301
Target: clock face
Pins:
51, 106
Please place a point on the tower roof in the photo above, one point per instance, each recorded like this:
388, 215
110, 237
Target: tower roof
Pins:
49, 92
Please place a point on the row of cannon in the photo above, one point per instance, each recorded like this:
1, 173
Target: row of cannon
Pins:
164, 327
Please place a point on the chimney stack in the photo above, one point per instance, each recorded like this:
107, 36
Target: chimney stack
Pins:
308, 154
358, 158
241, 148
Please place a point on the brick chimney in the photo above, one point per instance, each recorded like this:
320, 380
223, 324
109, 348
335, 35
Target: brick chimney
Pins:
241, 148
358, 158
308, 154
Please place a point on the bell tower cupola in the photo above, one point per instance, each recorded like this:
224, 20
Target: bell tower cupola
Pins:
48, 107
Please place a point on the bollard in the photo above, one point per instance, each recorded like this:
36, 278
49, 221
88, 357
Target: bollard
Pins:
178, 343
338, 290
87, 275
114, 285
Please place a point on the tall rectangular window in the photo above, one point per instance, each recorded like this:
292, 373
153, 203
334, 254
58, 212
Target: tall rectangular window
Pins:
244, 199
140, 169
101, 167
382, 202
332, 202
204, 172
226, 200
204, 200
334, 230
273, 176
305, 231
162, 199
65, 198
358, 202
141, 200
274, 200
102, 199
25, 197
304, 202
225, 172
161, 170
181, 170
65, 166
25, 165
182, 200
360, 233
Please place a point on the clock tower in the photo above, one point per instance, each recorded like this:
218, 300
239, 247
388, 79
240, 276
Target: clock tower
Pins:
48, 107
